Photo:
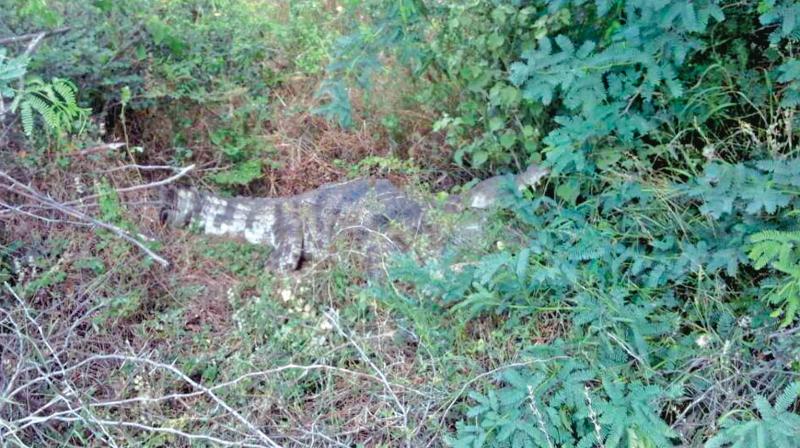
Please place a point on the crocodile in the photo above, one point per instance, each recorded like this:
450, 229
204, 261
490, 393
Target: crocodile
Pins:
301, 228
373, 215
493, 192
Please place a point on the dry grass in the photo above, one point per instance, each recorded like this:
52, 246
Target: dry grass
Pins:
308, 147
116, 361
124, 370
303, 150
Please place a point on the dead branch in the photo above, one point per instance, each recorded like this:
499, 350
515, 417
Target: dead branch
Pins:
30, 36
12, 209
82, 201
99, 148
67, 403
182, 172
34, 195
333, 317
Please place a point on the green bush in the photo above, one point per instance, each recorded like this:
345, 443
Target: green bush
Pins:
670, 129
663, 249
563, 81
177, 57
778, 426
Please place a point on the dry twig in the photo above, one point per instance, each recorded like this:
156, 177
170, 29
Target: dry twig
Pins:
34, 195
333, 318
30, 36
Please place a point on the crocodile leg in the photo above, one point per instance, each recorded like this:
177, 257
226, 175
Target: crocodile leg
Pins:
286, 256
287, 238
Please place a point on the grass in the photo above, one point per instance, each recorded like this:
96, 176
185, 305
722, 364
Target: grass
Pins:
101, 346
104, 344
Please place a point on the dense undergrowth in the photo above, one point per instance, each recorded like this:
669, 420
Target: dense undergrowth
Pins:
649, 295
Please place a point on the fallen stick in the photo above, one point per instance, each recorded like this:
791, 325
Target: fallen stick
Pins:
29, 36
181, 172
98, 148
32, 194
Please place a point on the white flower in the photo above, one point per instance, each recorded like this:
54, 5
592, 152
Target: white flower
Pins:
78, 184
702, 341
286, 294
709, 152
745, 322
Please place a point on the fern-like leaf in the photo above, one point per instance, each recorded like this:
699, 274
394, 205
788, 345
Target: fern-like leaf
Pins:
43, 108
788, 397
26, 115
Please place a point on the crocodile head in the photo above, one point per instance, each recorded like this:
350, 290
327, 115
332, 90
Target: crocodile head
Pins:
531, 176
177, 205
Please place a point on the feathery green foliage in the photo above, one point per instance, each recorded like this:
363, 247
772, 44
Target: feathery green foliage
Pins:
670, 128
646, 295
565, 404
54, 102
777, 426
780, 250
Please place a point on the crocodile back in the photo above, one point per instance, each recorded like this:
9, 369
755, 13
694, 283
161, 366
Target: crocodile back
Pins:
305, 226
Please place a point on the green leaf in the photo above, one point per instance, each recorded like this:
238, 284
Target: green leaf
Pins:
241, 174
479, 158
496, 123
508, 139
569, 191
523, 261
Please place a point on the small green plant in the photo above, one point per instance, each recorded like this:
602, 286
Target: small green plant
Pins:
777, 427
781, 251
564, 407
245, 151
11, 69
54, 102
111, 209
241, 174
